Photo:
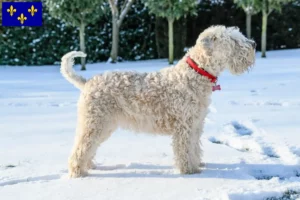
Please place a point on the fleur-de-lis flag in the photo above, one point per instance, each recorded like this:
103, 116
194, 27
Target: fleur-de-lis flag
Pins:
22, 13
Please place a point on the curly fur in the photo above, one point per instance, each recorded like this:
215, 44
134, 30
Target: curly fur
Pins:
172, 101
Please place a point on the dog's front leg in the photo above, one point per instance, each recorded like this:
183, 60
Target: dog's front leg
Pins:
197, 146
185, 151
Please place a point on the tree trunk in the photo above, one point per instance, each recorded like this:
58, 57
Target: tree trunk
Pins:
115, 40
82, 44
171, 40
157, 34
248, 24
264, 30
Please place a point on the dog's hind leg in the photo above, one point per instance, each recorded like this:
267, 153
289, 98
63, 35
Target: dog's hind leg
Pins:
92, 130
85, 147
184, 148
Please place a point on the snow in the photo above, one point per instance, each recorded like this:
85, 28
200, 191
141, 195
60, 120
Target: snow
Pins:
251, 139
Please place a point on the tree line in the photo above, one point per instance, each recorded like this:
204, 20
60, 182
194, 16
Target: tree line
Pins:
266, 7
80, 14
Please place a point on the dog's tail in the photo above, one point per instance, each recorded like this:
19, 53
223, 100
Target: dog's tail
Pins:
67, 62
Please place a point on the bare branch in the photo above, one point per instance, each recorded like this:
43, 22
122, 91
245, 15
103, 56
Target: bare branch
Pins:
270, 11
124, 5
113, 6
125, 11
244, 7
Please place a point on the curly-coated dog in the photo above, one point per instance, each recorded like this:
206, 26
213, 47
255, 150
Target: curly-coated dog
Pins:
173, 101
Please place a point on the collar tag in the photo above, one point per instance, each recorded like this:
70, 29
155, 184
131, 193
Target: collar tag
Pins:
216, 87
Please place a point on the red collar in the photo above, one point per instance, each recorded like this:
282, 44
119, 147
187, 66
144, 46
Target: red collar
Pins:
202, 72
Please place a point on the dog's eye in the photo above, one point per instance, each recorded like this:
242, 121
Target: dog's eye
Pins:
214, 38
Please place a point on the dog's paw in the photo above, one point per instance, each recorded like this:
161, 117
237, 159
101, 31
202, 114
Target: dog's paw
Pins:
202, 164
76, 173
91, 165
190, 171
195, 171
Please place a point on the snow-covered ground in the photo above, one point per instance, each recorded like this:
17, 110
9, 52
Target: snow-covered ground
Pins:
251, 139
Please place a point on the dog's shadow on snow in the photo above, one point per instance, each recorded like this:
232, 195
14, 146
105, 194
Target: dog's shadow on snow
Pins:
239, 171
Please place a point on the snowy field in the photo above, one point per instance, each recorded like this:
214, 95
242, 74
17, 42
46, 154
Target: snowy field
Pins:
251, 139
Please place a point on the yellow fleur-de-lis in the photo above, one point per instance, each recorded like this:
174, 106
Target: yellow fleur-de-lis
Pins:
32, 10
11, 10
22, 18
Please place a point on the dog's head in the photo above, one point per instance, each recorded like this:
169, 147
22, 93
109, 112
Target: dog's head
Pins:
227, 48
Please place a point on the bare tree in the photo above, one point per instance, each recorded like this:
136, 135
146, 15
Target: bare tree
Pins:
171, 10
117, 19
250, 7
77, 13
267, 7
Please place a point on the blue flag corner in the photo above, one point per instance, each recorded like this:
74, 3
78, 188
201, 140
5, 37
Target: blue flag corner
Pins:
22, 14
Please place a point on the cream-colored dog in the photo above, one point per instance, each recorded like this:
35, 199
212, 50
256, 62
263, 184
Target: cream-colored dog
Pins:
172, 101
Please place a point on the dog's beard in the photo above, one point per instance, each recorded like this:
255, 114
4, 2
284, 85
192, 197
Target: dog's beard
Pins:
243, 63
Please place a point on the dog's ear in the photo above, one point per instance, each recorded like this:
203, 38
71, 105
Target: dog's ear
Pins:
207, 42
